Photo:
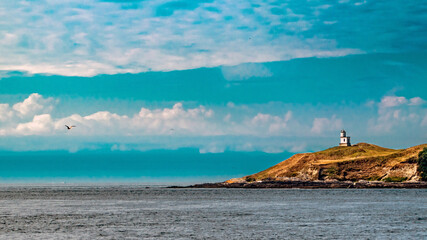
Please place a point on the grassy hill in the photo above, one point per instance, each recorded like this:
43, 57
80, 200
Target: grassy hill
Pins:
362, 161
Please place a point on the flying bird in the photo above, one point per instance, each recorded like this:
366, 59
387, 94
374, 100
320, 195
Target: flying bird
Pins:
69, 127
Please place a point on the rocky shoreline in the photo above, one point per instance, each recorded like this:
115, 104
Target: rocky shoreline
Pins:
310, 184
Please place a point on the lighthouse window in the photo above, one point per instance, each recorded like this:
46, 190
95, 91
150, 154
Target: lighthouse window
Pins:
344, 139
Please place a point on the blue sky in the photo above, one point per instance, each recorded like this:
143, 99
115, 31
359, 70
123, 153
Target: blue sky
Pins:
265, 76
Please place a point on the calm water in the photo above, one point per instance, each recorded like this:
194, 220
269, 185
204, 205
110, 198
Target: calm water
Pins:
133, 212
156, 166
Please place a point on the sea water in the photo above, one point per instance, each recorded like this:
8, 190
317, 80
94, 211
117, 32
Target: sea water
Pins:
181, 166
139, 212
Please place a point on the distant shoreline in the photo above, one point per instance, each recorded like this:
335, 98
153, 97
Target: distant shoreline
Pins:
310, 184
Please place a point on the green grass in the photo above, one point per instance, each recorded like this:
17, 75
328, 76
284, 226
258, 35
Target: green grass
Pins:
395, 179
422, 164
359, 150
331, 171
374, 178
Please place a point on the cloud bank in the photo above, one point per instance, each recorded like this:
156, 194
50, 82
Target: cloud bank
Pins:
235, 127
87, 38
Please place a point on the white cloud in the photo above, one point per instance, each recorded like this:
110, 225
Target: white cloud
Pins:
396, 111
392, 101
245, 71
253, 127
34, 104
41, 125
263, 125
269, 146
329, 22
227, 117
321, 125
194, 121
213, 147
395, 101
32, 117
416, 101
177, 121
104, 116
5, 112
23, 111
360, 3
86, 38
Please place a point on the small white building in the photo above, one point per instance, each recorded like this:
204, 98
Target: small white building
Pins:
344, 140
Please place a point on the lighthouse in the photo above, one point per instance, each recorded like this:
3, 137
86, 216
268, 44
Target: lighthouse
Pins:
344, 140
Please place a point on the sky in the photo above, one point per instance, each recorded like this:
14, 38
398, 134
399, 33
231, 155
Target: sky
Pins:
213, 75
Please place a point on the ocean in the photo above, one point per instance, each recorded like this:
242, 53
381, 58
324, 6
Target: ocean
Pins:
181, 166
103, 211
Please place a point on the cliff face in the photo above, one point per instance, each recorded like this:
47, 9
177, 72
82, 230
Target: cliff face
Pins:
362, 161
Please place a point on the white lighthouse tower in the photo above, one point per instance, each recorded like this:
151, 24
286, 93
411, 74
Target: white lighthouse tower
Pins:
344, 140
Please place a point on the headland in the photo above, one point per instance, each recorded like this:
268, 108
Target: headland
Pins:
361, 165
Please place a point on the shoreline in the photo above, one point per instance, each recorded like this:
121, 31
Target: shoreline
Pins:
309, 184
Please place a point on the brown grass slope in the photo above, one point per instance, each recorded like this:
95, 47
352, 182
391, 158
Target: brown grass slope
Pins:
362, 161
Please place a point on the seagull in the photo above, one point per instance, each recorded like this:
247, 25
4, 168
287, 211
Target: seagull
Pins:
69, 127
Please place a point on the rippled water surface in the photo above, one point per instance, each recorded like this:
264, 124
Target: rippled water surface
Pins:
133, 212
